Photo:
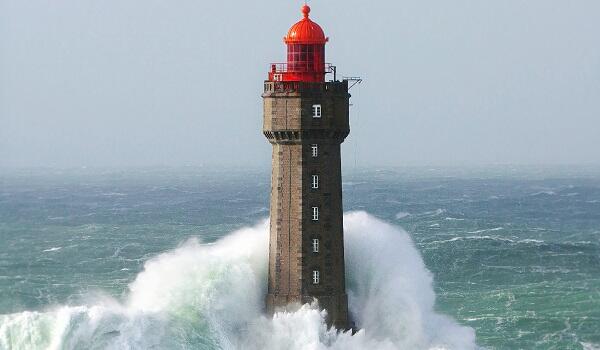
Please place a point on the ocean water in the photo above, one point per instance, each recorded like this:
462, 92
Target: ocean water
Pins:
492, 258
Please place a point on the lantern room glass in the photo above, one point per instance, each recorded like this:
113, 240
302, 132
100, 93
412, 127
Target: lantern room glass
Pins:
305, 58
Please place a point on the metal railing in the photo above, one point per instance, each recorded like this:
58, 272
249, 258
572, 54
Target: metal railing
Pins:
299, 71
299, 67
295, 86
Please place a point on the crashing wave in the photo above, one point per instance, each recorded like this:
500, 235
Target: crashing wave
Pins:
212, 297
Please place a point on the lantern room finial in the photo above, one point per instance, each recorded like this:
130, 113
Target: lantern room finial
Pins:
305, 10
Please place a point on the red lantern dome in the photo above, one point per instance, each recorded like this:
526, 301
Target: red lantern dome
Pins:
305, 55
305, 31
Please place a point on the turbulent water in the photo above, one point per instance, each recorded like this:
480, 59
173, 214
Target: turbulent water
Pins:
176, 259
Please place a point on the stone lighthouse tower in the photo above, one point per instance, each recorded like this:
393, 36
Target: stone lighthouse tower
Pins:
306, 121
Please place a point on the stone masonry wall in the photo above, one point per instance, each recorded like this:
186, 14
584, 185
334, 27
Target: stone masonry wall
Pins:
290, 127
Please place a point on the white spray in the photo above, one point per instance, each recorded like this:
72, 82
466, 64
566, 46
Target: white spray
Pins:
212, 297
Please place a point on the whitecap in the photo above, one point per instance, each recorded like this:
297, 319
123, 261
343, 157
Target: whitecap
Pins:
547, 193
402, 215
114, 194
486, 238
487, 230
54, 249
590, 346
434, 212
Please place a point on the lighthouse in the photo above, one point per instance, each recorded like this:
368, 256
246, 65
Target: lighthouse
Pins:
306, 119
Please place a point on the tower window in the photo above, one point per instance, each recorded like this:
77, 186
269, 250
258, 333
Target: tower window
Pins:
315, 150
315, 213
315, 181
315, 245
316, 277
316, 111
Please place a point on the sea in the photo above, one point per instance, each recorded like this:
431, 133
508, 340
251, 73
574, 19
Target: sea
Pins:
498, 257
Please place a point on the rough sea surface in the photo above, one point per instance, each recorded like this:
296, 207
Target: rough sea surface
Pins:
494, 258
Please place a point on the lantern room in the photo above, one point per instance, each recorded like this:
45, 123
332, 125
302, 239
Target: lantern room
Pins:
305, 53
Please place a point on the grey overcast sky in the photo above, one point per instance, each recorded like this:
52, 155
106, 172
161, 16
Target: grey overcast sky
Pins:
145, 83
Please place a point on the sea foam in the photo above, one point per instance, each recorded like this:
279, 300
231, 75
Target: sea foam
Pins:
202, 296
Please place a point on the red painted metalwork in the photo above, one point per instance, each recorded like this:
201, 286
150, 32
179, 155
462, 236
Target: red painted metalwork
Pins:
305, 53
305, 31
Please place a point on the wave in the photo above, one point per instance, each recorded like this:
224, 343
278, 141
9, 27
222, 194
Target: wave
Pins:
402, 215
487, 238
436, 212
487, 230
53, 249
558, 246
212, 297
543, 193
453, 219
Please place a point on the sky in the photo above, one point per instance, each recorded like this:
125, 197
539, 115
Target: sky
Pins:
131, 83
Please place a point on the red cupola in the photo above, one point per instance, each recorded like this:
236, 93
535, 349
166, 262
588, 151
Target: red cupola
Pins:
305, 31
305, 53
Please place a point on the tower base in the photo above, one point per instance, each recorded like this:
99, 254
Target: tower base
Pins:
335, 305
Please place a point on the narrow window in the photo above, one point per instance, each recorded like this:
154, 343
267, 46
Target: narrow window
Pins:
315, 245
315, 150
315, 213
315, 181
316, 111
316, 277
